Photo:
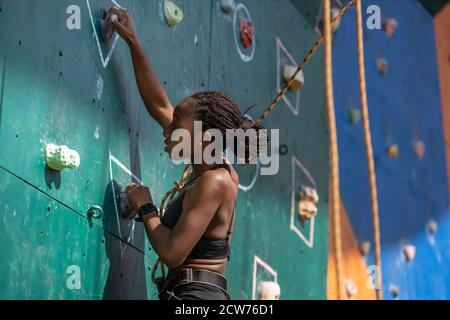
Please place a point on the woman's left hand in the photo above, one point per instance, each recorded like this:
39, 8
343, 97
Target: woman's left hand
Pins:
138, 195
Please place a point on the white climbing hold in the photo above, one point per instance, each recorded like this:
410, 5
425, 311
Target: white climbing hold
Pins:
432, 227
61, 157
269, 290
299, 80
419, 149
227, 6
334, 14
364, 248
307, 204
172, 13
410, 252
350, 288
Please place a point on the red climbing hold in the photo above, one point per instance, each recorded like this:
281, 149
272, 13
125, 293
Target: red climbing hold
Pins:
389, 27
247, 32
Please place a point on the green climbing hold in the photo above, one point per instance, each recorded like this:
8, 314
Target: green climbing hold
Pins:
172, 13
61, 157
354, 115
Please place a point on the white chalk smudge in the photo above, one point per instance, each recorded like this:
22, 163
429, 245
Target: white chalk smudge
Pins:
99, 87
97, 133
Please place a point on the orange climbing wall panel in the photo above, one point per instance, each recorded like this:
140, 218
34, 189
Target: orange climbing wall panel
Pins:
442, 27
354, 265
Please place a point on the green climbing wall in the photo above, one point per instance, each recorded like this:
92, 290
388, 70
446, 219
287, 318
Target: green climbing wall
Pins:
56, 87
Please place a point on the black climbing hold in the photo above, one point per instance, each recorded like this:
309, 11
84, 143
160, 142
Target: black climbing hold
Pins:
20, 43
284, 149
60, 73
60, 54
93, 100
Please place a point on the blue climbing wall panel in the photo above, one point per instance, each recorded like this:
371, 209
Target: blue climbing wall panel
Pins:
404, 107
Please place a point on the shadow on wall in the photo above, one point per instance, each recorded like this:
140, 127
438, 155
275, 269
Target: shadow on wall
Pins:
126, 274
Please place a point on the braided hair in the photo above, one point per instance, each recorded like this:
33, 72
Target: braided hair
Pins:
216, 110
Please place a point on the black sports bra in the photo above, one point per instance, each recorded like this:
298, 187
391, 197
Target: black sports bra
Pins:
205, 248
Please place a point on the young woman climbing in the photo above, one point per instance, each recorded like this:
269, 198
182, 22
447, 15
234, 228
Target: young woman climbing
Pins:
193, 236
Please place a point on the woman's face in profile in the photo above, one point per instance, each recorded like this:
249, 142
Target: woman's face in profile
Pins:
181, 128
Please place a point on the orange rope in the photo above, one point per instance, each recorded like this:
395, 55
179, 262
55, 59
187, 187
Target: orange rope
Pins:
167, 200
369, 150
302, 65
334, 156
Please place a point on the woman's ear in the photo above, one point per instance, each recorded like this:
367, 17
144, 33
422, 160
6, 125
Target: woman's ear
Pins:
207, 137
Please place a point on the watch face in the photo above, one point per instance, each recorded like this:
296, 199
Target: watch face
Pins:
147, 208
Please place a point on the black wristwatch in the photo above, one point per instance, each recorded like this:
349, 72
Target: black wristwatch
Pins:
146, 209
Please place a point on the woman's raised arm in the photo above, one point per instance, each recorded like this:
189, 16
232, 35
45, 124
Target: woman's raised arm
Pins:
151, 90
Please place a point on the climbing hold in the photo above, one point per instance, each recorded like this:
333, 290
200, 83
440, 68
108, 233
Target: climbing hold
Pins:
382, 65
393, 151
410, 252
227, 6
307, 204
127, 210
299, 80
395, 290
61, 157
334, 14
269, 290
354, 115
389, 27
432, 227
107, 28
247, 32
419, 149
364, 248
172, 13
350, 288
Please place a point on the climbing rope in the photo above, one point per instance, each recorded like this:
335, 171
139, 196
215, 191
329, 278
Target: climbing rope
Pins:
369, 150
302, 65
180, 184
334, 155
166, 201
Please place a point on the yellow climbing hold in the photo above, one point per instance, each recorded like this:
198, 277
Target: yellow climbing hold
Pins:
172, 13
393, 151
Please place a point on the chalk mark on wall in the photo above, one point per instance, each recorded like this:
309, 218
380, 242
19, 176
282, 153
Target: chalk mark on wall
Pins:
244, 57
295, 107
258, 261
310, 240
255, 177
105, 60
114, 160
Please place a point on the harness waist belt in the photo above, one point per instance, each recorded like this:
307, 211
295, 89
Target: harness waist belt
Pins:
196, 275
